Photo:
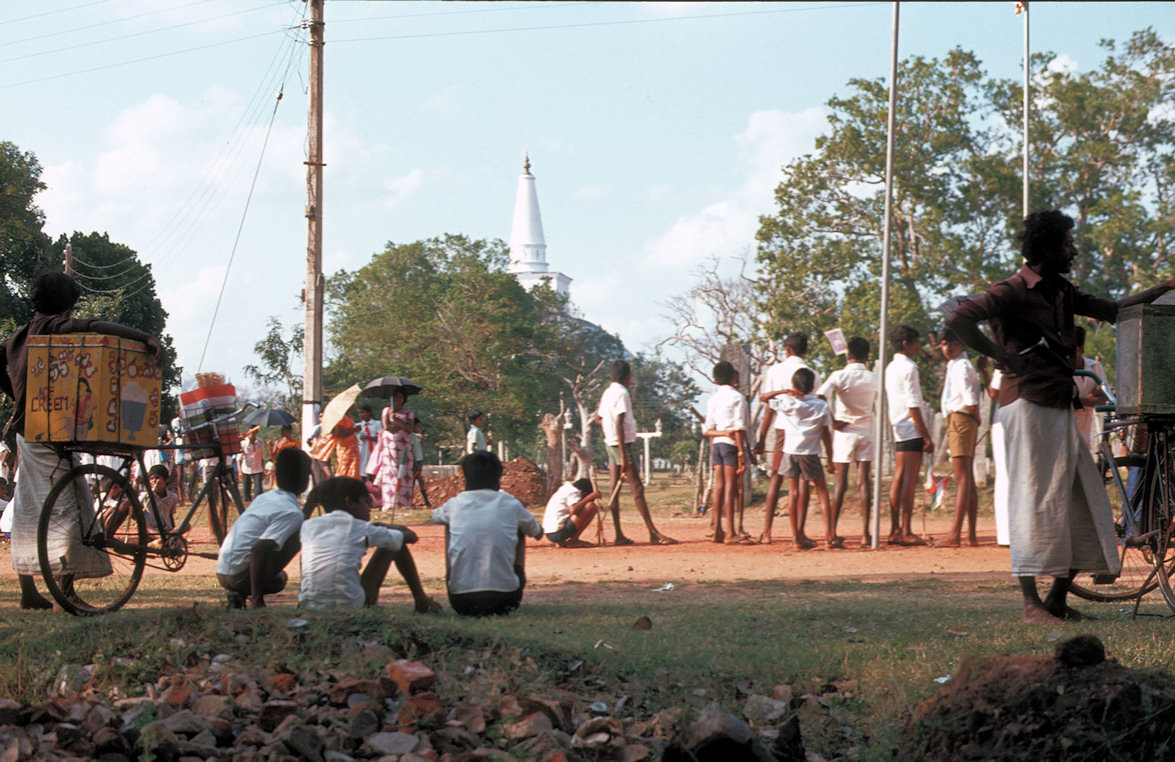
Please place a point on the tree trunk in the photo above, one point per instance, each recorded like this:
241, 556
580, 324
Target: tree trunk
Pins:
583, 451
553, 427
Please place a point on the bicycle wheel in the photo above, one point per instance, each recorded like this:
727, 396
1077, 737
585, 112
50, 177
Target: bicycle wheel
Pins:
1136, 548
218, 503
91, 553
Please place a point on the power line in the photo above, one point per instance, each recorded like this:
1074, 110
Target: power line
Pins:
136, 60
585, 24
50, 13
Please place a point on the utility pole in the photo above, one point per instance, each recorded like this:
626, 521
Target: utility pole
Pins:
68, 258
312, 295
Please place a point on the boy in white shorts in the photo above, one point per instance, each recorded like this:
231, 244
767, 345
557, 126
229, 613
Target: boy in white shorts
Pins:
856, 388
808, 424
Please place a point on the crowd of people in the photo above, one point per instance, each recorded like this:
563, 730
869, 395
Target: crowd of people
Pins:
1050, 503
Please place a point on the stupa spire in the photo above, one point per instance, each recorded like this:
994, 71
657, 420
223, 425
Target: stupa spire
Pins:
528, 245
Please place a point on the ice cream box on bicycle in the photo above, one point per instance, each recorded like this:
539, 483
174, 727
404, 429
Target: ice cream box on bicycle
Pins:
89, 387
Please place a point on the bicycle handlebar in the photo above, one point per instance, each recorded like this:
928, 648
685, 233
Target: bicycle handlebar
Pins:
1113, 401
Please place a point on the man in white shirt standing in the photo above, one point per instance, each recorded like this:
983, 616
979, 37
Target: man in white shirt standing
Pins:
615, 416
367, 430
960, 407
251, 461
903, 392
777, 379
728, 419
855, 387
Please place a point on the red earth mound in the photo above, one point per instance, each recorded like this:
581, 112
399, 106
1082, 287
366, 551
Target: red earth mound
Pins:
520, 478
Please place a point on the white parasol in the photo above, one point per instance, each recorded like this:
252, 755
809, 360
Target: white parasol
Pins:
334, 411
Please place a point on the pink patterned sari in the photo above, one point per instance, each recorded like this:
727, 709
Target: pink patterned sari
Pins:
393, 455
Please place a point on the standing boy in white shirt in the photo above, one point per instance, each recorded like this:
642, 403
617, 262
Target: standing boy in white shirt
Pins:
808, 424
855, 387
728, 418
903, 391
615, 416
778, 379
960, 407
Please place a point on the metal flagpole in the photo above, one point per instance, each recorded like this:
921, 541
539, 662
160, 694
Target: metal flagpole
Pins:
1023, 7
879, 421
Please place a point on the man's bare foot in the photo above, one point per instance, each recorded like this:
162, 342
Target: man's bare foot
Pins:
427, 606
803, 543
895, 538
947, 542
38, 603
719, 536
973, 541
660, 539
866, 541
764, 539
1037, 614
575, 542
622, 540
911, 539
1069, 614
836, 542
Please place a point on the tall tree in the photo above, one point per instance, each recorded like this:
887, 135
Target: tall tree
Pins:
24, 247
445, 313
117, 287
276, 370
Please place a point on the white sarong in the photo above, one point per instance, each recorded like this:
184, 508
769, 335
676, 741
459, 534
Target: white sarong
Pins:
1060, 515
38, 467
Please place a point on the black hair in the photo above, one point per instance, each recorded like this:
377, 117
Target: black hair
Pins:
159, 470
803, 380
723, 373
797, 343
1080, 331
948, 335
365, 406
482, 470
291, 470
332, 494
54, 293
474, 415
859, 348
901, 334
1043, 232
583, 485
619, 370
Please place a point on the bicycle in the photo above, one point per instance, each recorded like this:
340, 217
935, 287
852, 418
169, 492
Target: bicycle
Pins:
1142, 516
93, 512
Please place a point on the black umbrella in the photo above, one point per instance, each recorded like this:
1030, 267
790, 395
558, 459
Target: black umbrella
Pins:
268, 416
384, 387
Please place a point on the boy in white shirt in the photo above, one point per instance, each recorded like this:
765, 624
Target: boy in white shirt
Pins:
856, 388
485, 541
728, 418
615, 416
808, 424
265, 538
911, 436
960, 407
333, 546
570, 511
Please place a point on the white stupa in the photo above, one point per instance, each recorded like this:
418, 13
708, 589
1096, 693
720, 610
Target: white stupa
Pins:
528, 247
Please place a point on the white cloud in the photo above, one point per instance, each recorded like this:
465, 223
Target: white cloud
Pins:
1063, 64
727, 225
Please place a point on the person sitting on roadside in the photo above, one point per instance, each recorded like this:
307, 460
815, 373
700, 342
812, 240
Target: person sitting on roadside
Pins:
117, 507
265, 538
570, 511
485, 541
333, 546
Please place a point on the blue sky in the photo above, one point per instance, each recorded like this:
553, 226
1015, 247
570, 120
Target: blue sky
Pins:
656, 130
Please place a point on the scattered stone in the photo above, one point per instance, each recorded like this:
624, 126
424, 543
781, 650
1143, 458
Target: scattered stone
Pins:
273, 713
213, 705
531, 725
391, 743
762, 712
303, 742
716, 737
470, 716
421, 710
284, 683
597, 734
411, 676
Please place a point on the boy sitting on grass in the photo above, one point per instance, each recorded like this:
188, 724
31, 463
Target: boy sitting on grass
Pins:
333, 546
570, 511
807, 423
485, 541
265, 538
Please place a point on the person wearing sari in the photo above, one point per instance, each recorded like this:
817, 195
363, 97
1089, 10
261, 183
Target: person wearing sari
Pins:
391, 463
343, 444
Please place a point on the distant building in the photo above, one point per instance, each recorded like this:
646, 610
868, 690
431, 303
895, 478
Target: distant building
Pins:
528, 247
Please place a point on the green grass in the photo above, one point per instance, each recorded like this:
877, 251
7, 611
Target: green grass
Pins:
883, 643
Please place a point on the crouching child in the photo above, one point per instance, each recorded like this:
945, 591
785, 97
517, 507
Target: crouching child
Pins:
266, 537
